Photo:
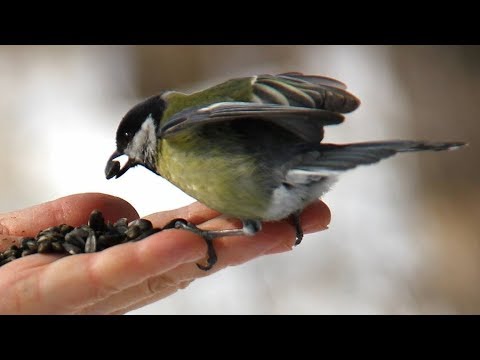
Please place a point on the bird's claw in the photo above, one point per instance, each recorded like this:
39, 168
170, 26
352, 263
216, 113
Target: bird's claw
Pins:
186, 225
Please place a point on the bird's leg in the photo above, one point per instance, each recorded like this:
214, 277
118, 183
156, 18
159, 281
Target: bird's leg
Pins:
298, 227
250, 228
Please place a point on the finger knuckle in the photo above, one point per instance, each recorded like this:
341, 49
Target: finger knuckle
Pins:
4, 229
159, 283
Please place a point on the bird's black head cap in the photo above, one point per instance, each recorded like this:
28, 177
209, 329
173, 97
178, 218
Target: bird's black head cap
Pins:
136, 137
135, 117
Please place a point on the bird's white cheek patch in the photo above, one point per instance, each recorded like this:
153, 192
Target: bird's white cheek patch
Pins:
144, 143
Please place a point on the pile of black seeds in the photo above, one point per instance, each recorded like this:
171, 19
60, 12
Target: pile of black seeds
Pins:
97, 235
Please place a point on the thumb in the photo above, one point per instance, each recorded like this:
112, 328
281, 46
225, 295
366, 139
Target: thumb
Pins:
72, 210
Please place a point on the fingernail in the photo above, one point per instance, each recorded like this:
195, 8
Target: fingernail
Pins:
313, 229
285, 247
280, 248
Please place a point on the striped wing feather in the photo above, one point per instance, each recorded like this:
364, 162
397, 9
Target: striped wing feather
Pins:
296, 89
301, 104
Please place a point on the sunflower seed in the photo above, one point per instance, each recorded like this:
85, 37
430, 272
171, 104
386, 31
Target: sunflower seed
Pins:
45, 246
7, 260
27, 252
121, 225
75, 239
65, 229
96, 236
71, 249
50, 237
96, 221
52, 229
44, 237
81, 232
31, 244
91, 243
57, 246
146, 234
12, 251
143, 224
25, 241
133, 232
112, 169
121, 222
110, 239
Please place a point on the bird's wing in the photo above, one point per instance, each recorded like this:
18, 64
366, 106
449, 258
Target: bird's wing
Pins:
314, 79
296, 89
301, 104
305, 123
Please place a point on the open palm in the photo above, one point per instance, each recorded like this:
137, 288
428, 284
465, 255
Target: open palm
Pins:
128, 276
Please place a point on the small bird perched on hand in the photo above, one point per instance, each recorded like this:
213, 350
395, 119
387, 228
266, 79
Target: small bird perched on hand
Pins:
250, 147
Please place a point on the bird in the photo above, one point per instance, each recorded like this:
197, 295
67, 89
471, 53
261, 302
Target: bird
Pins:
250, 147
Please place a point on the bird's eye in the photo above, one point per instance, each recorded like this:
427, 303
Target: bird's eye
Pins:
127, 134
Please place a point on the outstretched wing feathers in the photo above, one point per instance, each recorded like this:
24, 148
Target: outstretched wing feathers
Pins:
293, 95
302, 104
306, 123
314, 79
305, 91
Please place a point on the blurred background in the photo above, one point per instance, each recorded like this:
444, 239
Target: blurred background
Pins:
405, 233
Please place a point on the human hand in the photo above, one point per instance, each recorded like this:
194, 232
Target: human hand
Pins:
131, 275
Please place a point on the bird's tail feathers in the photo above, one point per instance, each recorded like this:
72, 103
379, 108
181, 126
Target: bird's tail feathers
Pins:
336, 158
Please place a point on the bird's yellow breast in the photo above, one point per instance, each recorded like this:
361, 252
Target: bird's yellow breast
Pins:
224, 182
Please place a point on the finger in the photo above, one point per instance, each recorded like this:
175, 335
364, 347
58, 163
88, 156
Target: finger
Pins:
278, 236
231, 251
19, 281
161, 294
314, 218
88, 278
132, 298
74, 282
129, 264
196, 213
72, 210
146, 292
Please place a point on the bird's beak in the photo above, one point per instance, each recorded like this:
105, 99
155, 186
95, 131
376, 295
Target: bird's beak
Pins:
113, 167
